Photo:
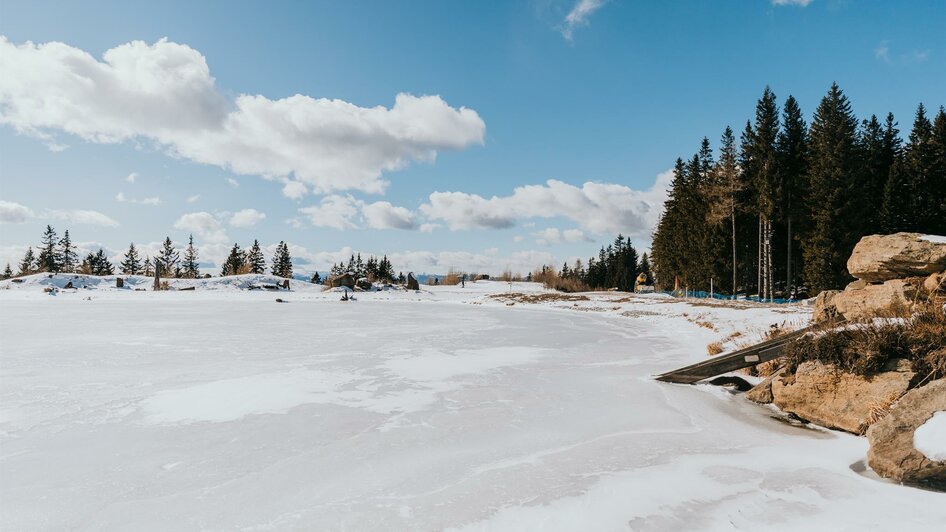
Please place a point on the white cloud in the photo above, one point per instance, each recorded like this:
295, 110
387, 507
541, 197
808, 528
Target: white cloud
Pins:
578, 16
428, 228
334, 211
14, 213
81, 216
193, 199
800, 3
246, 218
346, 212
121, 198
294, 190
204, 225
132, 177
233, 182
164, 92
599, 208
383, 215
553, 236
882, 51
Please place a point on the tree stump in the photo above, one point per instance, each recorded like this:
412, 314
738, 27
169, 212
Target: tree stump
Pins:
119, 282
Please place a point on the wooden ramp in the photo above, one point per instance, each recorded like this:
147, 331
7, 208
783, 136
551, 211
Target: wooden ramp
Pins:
743, 358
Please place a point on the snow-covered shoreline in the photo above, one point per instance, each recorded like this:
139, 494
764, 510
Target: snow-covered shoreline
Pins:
448, 407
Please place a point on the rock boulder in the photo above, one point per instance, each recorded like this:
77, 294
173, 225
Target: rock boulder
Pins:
824, 306
825, 395
878, 258
891, 453
874, 299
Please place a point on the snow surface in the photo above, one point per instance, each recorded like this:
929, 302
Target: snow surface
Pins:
930, 437
934, 238
444, 408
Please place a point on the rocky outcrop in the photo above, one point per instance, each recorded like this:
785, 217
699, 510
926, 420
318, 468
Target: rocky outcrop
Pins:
412, 283
345, 279
874, 299
878, 258
825, 308
762, 393
935, 282
891, 453
825, 395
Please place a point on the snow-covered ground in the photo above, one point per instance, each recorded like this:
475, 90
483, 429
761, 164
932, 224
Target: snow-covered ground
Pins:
445, 408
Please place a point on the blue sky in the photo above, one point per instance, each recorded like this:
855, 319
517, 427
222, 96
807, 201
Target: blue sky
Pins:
527, 132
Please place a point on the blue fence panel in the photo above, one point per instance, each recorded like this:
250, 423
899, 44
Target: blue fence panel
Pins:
699, 294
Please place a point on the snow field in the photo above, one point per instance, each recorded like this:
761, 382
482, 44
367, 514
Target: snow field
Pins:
443, 409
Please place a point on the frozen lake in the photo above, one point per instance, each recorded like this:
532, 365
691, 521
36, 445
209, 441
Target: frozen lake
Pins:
196, 411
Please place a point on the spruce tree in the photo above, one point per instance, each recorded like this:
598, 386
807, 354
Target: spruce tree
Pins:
189, 267
28, 264
49, 259
255, 259
131, 265
725, 194
169, 258
7, 272
282, 261
834, 193
235, 263
792, 170
68, 258
147, 267
763, 170
938, 179
645, 266
316, 278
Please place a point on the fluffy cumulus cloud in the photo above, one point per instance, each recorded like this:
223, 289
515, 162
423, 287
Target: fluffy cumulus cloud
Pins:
599, 208
578, 16
82, 217
334, 211
383, 215
346, 212
164, 92
247, 218
552, 236
14, 213
204, 225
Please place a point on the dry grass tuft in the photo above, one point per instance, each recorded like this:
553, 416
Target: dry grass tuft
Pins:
880, 408
551, 279
714, 348
865, 347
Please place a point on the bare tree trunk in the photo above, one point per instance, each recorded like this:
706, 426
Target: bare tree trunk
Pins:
733, 219
788, 263
759, 261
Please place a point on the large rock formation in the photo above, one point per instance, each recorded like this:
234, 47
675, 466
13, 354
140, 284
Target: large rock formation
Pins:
878, 258
872, 300
825, 395
345, 279
891, 453
412, 283
825, 309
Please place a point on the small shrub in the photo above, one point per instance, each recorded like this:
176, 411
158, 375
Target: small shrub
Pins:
714, 348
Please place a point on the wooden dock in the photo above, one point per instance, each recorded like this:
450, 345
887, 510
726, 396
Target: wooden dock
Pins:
736, 360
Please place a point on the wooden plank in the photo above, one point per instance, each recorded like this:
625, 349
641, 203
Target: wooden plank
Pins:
742, 358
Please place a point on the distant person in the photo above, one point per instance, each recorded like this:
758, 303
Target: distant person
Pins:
463, 281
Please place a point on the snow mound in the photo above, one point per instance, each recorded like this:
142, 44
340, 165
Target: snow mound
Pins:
930, 437
936, 239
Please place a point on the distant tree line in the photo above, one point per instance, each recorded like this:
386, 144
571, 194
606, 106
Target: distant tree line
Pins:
787, 205
373, 269
616, 266
58, 255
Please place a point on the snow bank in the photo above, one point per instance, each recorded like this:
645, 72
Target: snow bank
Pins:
930, 437
936, 239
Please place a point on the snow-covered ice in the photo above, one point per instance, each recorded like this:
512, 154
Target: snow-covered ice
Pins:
936, 239
930, 437
445, 408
